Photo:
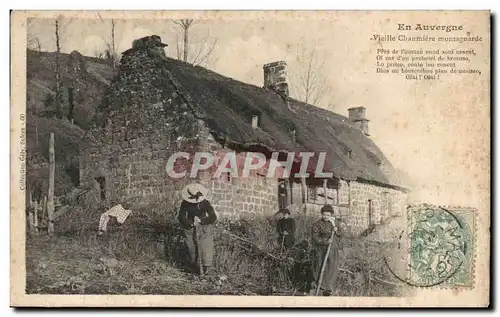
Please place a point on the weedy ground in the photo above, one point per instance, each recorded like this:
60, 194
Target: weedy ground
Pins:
146, 255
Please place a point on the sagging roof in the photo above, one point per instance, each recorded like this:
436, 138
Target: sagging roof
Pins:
227, 106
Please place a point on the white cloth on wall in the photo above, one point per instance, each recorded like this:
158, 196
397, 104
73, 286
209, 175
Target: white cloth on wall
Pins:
121, 214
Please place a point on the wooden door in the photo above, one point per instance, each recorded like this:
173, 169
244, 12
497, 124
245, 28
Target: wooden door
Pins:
371, 216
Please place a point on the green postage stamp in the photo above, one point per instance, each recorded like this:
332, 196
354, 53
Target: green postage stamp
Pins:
442, 246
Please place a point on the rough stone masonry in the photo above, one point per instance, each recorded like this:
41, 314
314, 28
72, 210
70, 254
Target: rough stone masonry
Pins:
146, 117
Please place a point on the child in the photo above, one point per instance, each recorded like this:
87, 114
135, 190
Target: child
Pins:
286, 230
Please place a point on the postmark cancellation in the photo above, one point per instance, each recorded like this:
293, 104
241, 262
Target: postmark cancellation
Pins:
442, 246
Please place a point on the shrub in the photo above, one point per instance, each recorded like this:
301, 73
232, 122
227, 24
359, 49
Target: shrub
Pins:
363, 270
248, 258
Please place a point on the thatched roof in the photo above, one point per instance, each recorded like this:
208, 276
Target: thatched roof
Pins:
227, 106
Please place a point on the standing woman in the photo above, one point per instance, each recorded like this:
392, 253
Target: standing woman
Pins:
322, 240
197, 214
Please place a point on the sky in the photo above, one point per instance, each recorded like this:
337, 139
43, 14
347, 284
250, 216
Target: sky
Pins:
436, 131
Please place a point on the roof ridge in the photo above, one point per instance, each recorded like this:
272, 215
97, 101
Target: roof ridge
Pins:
267, 90
226, 106
187, 98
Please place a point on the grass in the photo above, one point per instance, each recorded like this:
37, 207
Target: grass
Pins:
146, 256
63, 266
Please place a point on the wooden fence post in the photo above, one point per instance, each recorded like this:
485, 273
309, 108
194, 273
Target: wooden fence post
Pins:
44, 208
288, 192
50, 199
35, 217
303, 188
31, 220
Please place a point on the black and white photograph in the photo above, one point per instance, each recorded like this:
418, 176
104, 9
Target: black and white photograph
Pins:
336, 156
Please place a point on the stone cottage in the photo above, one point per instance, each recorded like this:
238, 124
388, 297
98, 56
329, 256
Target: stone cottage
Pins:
157, 106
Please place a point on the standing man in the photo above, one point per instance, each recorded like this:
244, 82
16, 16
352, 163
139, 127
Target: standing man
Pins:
286, 230
197, 216
282, 195
322, 232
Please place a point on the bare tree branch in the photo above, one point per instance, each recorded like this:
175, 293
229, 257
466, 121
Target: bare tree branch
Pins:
98, 53
32, 41
203, 49
195, 50
110, 42
58, 100
178, 22
60, 27
61, 35
113, 47
178, 45
309, 81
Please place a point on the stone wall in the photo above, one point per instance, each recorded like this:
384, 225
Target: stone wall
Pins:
135, 169
355, 199
383, 202
131, 149
135, 173
234, 197
147, 120
244, 199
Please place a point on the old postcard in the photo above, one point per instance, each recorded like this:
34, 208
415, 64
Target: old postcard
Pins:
250, 159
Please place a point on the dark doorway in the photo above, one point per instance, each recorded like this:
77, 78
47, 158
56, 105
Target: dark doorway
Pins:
371, 216
371, 219
102, 186
282, 194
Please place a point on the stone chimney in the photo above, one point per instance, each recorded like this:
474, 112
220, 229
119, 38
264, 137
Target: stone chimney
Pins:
275, 77
358, 116
152, 44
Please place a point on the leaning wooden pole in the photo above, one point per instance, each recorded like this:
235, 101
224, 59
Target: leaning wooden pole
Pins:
197, 228
323, 266
35, 218
50, 198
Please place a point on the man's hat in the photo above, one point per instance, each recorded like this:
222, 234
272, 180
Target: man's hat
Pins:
285, 211
327, 208
194, 193
334, 210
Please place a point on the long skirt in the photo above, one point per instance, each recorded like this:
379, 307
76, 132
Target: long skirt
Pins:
331, 269
287, 241
206, 244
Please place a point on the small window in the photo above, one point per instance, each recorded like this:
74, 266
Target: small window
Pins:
349, 153
371, 215
255, 121
293, 134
